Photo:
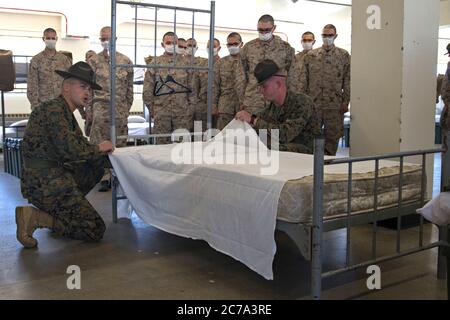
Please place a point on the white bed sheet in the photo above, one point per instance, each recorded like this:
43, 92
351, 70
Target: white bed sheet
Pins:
232, 207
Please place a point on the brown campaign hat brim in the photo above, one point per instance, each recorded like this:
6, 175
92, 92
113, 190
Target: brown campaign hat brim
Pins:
66, 75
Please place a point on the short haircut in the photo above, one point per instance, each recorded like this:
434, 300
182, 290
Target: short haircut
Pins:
330, 26
235, 35
169, 34
48, 30
308, 33
181, 39
266, 18
105, 29
193, 40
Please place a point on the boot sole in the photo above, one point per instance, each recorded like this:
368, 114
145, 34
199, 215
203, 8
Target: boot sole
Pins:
19, 220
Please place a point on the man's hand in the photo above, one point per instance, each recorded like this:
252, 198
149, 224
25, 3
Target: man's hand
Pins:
215, 111
244, 116
344, 108
106, 147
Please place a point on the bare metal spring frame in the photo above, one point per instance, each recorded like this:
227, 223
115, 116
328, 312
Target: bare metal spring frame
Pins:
114, 66
374, 217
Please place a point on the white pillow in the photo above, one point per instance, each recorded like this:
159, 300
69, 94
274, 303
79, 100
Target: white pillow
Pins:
437, 210
21, 123
136, 119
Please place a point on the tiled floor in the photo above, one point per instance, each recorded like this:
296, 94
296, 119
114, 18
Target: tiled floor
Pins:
138, 261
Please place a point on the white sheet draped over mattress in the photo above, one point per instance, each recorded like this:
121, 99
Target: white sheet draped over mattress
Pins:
232, 207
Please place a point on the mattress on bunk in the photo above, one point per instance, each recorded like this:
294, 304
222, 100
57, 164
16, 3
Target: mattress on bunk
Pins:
295, 203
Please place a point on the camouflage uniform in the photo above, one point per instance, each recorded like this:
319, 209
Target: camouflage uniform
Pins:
326, 79
60, 168
101, 123
200, 89
297, 69
43, 83
297, 121
171, 111
445, 94
254, 52
229, 92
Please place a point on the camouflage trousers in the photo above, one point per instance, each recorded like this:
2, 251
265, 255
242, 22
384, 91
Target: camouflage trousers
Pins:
101, 125
445, 124
223, 119
333, 124
168, 124
67, 203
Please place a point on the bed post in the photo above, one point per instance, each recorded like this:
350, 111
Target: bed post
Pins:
316, 264
445, 183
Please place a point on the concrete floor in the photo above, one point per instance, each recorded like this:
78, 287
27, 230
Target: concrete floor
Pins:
138, 261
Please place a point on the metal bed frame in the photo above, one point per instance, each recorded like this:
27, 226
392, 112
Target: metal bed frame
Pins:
307, 236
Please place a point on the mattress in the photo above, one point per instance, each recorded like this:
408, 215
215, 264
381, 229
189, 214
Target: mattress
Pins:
296, 198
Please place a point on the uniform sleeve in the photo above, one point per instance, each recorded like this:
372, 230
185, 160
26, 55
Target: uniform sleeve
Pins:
130, 81
149, 84
445, 89
242, 76
290, 57
294, 126
303, 77
70, 146
241, 82
67, 63
294, 76
217, 87
346, 81
32, 84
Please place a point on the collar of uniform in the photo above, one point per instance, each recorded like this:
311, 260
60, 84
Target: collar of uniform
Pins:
330, 48
48, 54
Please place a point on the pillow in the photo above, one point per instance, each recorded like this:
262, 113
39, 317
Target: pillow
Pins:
21, 123
437, 210
136, 119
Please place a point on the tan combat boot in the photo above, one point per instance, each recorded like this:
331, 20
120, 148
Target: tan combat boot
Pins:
28, 219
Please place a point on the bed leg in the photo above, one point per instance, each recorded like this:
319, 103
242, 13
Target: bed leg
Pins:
442, 259
114, 196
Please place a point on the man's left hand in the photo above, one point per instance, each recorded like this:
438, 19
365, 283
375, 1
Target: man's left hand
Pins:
244, 116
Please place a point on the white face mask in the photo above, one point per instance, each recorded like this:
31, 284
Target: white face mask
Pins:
234, 50
265, 36
105, 45
180, 51
328, 41
215, 51
170, 49
50, 44
307, 45
191, 51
